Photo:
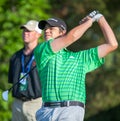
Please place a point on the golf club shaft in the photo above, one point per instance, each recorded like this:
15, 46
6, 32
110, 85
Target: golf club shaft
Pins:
20, 79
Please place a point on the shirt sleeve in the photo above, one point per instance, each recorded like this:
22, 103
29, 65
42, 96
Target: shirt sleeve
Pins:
92, 60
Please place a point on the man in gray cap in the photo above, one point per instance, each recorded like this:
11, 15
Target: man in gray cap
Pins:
63, 72
27, 93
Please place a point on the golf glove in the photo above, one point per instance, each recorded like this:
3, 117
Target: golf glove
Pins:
95, 15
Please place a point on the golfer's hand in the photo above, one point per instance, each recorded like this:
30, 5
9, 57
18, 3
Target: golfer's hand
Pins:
95, 15
87, 18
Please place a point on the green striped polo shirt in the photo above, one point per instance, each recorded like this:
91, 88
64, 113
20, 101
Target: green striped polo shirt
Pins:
62, 74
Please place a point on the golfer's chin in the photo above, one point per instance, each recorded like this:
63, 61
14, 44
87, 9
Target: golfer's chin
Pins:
48, 38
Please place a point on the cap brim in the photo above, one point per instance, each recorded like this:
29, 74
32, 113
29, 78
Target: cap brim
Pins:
26, 27
42, 24
22, 27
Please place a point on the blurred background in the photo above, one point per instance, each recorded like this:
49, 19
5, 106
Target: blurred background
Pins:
102, 85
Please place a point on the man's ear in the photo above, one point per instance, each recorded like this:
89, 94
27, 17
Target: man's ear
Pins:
63, 32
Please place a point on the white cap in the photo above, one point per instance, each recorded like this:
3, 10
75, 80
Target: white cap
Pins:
32, 25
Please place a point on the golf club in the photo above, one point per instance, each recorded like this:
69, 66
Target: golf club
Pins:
5, 93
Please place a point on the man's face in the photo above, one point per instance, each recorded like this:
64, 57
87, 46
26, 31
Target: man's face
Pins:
29, 36
52, 32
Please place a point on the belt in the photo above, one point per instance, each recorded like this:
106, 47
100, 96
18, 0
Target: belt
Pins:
24, 99
63, 104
